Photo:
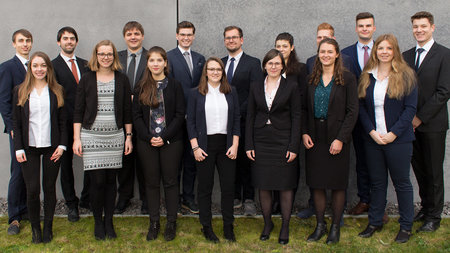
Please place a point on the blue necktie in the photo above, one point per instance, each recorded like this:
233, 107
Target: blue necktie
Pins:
230, 71
419, 51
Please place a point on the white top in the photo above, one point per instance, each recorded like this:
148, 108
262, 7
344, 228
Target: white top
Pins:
39, 129
360, 48
270, 96
216, 111
236, 62
22, 60
69, 64
190, 54
426, 48
379, 94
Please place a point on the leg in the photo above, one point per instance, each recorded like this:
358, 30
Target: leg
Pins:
338, 204
110, 199
205, 177
17, 193
286, 200
188, 175
49, 175
126, 182
226, 168
84, 198
32, 174
265, 198
363, 181
320, 199
97, 186
419, 168
66, 178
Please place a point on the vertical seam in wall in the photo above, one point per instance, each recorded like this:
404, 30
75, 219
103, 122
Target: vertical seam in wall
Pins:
178, 14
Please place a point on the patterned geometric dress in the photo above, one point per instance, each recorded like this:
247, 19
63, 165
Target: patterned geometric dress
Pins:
103, 144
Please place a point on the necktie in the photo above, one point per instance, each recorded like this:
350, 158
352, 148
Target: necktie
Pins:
26, 65
366, 55
74, 70
230, 70
188, 61
419, 51
131, 69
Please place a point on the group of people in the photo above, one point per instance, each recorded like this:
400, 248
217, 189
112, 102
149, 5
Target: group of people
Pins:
152, 112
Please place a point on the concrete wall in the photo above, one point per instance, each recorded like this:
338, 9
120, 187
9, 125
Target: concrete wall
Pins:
261, 21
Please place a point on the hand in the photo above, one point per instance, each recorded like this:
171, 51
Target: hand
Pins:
416, 122
200, 155
12, 134
291, 156
377, 137
251, 154
57, 154
336, 147
21, 158
77, 148
128, 146
389, 137
307, 141
157, 141
232, 152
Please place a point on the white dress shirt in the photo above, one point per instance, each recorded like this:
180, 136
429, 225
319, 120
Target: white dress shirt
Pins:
237, 58
69, 64
379, 94
426, 48
360, 48
216, 111
23, 61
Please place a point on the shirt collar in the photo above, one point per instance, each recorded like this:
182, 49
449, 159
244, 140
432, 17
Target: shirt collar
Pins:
360, 45
182, 50
374, 73
66, 59
212, 89
237, 57
22, 60
427, 46
138, 53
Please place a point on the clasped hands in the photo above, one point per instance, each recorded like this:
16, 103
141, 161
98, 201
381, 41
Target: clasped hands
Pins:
382, 139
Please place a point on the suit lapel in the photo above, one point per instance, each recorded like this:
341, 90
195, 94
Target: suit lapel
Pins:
428, 57
123, 60
181, 58
280, 92
53, 102
333, 92
67, 69
20, 66
81, 67
240, 66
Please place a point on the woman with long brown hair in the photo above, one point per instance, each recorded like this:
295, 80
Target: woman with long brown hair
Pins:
158, 112
329, 115
388, 99
213, 124
40, 129
102, 111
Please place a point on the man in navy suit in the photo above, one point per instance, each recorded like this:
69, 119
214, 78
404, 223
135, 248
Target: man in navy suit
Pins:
68, 71
241, 70
12, 73
431, 62
359, 54
186, 67
133, 61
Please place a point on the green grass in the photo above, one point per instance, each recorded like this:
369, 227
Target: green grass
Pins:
131, 231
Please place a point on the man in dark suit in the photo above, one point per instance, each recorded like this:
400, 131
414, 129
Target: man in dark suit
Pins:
241, 70
359, 54
186, 67
68, 71
431, 62
12, 73
133, 61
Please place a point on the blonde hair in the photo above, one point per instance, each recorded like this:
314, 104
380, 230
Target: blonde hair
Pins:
93, 62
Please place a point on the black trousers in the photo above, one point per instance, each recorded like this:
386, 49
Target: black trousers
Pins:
189, 170
205, 174
31, 170
126, 175
427, 161
161, 163
103, 192
243, 188
66, 177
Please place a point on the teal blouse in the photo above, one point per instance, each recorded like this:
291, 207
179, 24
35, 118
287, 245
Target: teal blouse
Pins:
321, 99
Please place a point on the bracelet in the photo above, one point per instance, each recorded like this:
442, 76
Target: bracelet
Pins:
195, 148
129, 134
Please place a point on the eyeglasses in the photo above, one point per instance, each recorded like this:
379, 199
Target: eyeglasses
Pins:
103, 55
218, 70
232, 38
274, 64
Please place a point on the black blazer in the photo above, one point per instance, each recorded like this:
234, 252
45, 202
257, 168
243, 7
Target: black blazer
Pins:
174, 109
87, 100
66, 79
353, 66
141, 65
434, 87
247, 71
284, 114
196, 118
300, 78
21, 123
342, 110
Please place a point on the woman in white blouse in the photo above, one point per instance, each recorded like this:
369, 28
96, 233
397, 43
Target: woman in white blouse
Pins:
40, 129
388, 98
213, 128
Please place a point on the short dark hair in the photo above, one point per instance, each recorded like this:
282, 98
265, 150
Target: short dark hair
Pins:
269, 56
24, 32
365, 15
423, 14
66, 29
132, 25
185, 24
232, 27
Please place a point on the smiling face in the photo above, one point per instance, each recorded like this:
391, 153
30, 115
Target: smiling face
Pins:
134, 39
273, 67
284, 47
39, 68
156, 65
422, 30
365, 29
214, 72
105, 56
327, 54
185, 37
233, 41
22, 45
68, 43
385, 52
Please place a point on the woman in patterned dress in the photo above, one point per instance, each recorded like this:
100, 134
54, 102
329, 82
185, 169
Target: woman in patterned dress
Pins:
102, 110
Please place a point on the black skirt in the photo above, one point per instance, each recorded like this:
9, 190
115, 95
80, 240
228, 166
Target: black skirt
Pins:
324, 170
270, 170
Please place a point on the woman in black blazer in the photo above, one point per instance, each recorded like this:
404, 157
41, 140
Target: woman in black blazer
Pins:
102, 111
273, 139
40, 129
158, 113
388, 99
213, 124
329, 114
